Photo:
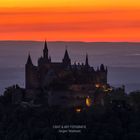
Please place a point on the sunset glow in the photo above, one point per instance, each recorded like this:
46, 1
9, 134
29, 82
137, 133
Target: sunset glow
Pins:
70, 20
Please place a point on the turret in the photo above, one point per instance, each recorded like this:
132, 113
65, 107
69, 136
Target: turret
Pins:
28, 71
86, 62
29, 61
31, 75
66, 59
102, 68
45, 51
103, 74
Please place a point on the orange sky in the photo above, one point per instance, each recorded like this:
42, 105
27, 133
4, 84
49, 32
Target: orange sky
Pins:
70, 20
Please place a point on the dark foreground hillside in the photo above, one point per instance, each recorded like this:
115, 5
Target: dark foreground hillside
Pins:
117, 119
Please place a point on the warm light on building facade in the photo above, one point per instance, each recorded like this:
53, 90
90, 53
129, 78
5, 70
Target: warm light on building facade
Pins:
97, 85
88, 102
78, 110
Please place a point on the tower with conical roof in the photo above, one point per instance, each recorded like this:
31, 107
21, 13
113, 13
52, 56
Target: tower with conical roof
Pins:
86, 62
102, 68
28, 70
29, 60
30, 74
48, 71
45, 59
66, 59
45, 51
102, 74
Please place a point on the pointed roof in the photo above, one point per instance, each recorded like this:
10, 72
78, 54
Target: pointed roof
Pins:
45, 45
86, 63
66, 55
29, 60
45, 51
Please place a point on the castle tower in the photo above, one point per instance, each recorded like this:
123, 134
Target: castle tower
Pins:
102, 68
66, 59
29, 61
103, 74
86, 62
45, 51
31, 77
28, 69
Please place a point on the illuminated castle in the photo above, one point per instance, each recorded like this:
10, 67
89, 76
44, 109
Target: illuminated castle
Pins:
62, 75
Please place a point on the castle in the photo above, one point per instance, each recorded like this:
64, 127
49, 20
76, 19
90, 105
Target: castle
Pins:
62, 75
64, 83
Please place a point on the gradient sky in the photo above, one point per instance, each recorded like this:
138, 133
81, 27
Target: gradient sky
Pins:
70, 20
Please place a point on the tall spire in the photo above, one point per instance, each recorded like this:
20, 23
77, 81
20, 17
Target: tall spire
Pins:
66, 55
29, 60
86, 62
45, 50
45, 45
66, 59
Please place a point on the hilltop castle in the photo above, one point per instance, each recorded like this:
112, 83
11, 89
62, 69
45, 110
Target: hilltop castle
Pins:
62, 75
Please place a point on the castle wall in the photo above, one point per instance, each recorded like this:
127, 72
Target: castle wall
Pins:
31, 77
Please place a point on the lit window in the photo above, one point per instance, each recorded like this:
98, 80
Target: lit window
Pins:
88, 101
97, 85
78, 110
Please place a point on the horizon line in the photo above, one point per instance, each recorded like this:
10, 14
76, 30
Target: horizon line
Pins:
69, 41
